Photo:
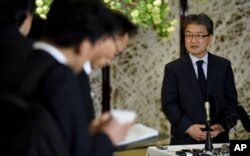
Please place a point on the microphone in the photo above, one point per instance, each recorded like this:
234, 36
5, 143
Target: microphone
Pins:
208, 145
244, 118
207, 108
227, 117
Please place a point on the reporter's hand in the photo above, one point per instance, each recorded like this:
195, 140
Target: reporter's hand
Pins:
111, 127
216, 130
97, 123
115, 130
195, 131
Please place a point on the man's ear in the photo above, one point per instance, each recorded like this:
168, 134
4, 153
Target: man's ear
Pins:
81, 47
84, 48
77, 49
210, 38
26, 25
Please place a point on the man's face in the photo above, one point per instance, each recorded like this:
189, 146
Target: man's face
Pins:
106, 49
197, 40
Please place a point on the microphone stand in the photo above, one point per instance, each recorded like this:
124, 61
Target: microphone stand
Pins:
208, 145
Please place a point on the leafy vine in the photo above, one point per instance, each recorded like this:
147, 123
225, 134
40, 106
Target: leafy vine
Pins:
145, 13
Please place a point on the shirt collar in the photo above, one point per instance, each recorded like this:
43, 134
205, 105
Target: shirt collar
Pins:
53, 51
195, 59
87, 67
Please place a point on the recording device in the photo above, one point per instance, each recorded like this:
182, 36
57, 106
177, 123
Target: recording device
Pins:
230, 117
224, 115
208, 145
180, 153
230, 120
244, 118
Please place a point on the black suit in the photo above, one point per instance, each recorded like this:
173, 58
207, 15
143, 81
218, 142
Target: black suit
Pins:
65, 96
70, 103
182, 101
14, 50
85, 85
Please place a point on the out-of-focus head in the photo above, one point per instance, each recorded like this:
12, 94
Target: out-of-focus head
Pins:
71, 22
15, 11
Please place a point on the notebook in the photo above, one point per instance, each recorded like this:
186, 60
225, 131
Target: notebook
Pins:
139, 132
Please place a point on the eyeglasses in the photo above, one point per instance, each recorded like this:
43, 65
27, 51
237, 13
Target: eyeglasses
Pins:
198, 37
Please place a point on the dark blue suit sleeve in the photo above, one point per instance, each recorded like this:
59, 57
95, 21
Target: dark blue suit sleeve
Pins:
170, 103
65, 100
231, 92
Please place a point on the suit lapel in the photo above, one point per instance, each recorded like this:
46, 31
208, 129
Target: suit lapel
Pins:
189, 73
211, 72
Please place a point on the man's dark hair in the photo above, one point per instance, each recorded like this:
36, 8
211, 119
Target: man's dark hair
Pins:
69, 22
202, 19
14, 11
122, 24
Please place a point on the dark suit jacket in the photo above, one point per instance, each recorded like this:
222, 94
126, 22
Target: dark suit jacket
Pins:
85, 85
182, 99
14, 50
68, 100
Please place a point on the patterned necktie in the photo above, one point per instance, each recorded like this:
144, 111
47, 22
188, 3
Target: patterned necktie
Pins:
202, 79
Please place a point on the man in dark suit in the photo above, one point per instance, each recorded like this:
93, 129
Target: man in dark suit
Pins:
186, 87
76, 33
15, 22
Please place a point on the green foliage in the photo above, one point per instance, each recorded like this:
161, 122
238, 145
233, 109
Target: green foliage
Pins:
43, 7
145, 13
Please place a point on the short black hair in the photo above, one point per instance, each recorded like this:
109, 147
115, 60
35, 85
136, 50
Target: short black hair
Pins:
70, 21
14, 11
122, 24
202, 19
